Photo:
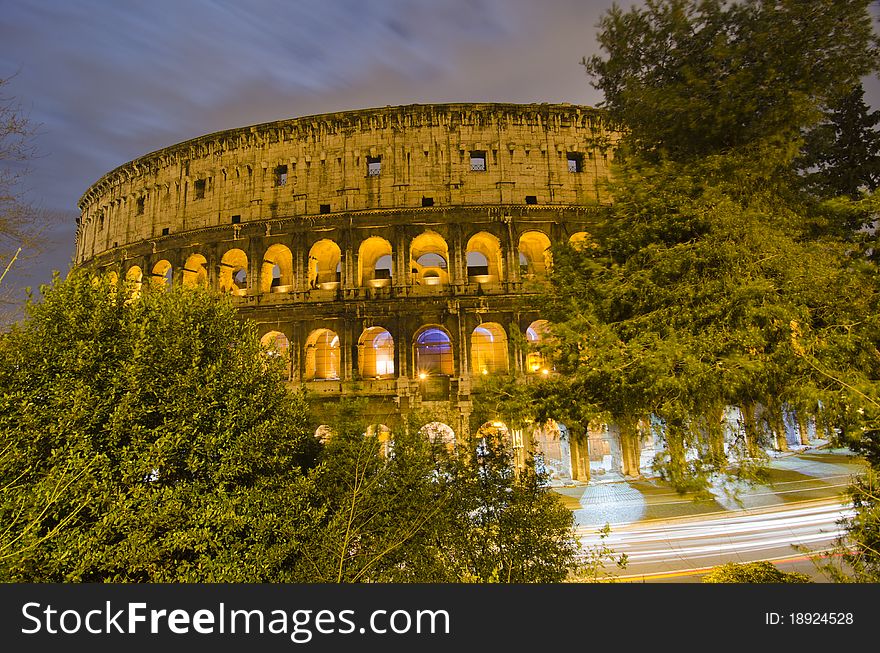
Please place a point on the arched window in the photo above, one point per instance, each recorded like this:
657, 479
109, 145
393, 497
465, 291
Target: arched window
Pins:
322, 355
374, 262
579, 240
429, 262
276, 343
233, 272
195, 272
484, 262
439, 433
489, 349
276, 274
534, 335
433, 352
376, 353
534, 251
325, 265
162, 274
135, 277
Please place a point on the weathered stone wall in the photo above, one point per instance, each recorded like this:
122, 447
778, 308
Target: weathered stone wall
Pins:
424, 151
292, 217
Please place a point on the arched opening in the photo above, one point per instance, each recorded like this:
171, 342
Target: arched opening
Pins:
489, 349
484, 258
195, 272
276, 343
233, 272
494, 432
374, 262
383, 434
534, 253
429, 260
134, 278
276, 274
433, 352
534, 335
322, 355
162, 274
579, 240
323, 434
376, 353
325, 265
439, 434
553, 451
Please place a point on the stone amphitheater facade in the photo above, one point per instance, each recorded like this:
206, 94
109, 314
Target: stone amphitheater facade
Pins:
389, 253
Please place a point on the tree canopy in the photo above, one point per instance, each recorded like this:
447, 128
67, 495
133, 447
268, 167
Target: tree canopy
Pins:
714, 280
146, 440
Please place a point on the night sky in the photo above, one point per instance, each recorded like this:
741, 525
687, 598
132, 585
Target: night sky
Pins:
108, 81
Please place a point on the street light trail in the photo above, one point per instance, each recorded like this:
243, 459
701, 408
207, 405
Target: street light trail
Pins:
675, 546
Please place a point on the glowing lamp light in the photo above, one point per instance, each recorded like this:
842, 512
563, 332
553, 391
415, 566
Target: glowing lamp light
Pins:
545, 371
422, 376
485, 371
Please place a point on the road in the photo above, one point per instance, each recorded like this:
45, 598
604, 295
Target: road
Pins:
681, 550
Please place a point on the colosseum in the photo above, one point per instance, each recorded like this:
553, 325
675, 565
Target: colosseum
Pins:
388, 253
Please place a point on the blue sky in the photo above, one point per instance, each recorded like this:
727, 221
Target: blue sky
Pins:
108, 81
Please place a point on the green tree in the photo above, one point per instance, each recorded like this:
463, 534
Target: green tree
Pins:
692, 78
147, 440
841, 154
753, 572
705, 276
426, 513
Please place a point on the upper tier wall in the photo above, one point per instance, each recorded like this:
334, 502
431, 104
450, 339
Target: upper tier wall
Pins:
393, 157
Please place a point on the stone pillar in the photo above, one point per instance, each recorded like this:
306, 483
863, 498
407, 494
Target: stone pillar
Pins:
630, 452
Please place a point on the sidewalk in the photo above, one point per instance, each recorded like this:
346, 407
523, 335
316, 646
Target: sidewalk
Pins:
807, 474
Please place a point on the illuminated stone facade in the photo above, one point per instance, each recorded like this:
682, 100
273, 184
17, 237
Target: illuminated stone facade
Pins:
388, 252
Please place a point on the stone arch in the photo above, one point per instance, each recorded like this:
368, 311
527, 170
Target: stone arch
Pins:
324, 265
276, 273
534, 253
233, 272
376, 353
432, 352
535, 334
553, 451
483, 257
373, 252
322, 355
276, 343
134, 276
195, 271
162, 274
495, 430
580, 240
429, 260
383, 434
489, 349
438, 433
323, 433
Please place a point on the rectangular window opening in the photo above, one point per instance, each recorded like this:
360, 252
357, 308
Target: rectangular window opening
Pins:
165, 231
427, 201
324, 208
478, 161
140, 206
280, 175
374, 166
236, 219
531, 199
200, 189
575, 162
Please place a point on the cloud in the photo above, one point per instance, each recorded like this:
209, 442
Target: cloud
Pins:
111, 81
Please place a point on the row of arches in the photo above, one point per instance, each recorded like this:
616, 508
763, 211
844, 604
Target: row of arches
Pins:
432, 351
429, 264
